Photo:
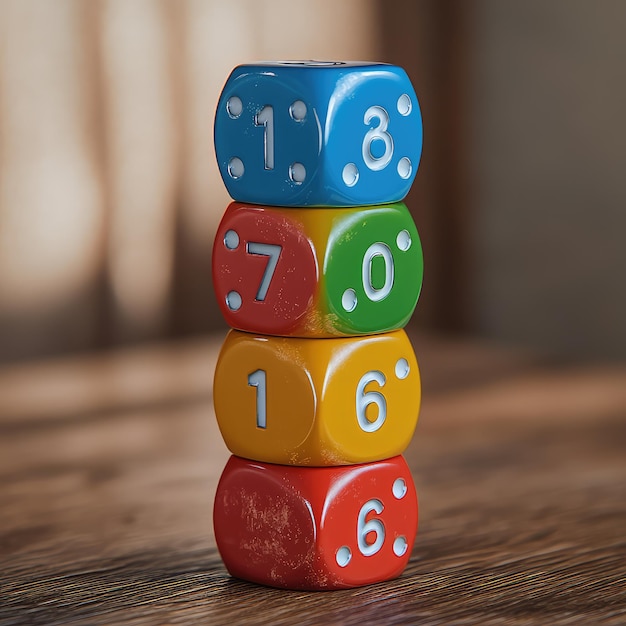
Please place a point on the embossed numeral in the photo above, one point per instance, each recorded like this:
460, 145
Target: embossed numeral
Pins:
365, 398
258, 379
378, 133
376, 294
364, 528
265, 118
272, 251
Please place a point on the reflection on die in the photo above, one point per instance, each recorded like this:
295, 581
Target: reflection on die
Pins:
315, 528
317, 272
312, 403
318, 134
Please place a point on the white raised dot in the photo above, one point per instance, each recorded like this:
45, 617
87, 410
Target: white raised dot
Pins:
234, 107
297, 110
405, 106
350, 174
402, 368
231, 239
233, 300
399, 488
236, 168
403, 240
343, 556
349, 300
404, 167
400, 546
297, 173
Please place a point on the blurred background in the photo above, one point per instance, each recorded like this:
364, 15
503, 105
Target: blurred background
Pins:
110, 195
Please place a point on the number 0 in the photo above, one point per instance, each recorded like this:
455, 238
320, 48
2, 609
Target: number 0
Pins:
373, 293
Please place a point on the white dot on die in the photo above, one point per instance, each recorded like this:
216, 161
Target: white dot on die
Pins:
402, 368
404, 105
403, 240
343, 556
350, 174
399, 488
400, 546
236, 168
404, 167
349, 300
231, 239
233, 300
297, 110
234, 107
297, 173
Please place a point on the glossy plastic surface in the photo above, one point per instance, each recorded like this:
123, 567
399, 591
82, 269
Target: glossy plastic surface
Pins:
317, 402
315, 528
317, 272
318, 134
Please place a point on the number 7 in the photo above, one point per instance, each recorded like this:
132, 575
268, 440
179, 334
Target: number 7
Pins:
272, 251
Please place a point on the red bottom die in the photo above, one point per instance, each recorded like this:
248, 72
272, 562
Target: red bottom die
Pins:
315, 527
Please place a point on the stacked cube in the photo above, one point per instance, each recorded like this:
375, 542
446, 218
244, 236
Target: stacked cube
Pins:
317, 267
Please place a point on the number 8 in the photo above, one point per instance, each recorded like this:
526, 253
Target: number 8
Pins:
380, 132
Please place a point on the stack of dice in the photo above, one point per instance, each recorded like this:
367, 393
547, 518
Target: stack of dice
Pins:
317, 267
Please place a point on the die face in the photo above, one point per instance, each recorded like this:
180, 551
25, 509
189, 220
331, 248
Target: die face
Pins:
315, 528
317, 403
264, 530
368, 530
370, 398
264, 270
339, 272
316, 134
264, 398
375, 138
373, 270
267, 137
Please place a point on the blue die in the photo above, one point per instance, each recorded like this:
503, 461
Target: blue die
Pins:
318, 134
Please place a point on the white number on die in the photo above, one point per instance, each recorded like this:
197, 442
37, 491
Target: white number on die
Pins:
265, 118
374, 134
272, 251
365, 398
382, 250
364, 528
258, 379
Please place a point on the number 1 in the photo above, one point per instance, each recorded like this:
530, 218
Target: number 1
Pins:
265, 118
258, 379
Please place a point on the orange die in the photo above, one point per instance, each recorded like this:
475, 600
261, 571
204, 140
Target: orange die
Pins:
317, 401
315, 528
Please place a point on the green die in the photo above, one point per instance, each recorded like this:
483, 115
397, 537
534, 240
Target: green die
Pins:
373, 270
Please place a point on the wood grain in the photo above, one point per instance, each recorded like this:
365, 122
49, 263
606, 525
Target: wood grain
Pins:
108, 468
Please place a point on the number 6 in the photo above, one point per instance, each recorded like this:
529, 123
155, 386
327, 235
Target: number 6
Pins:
376, 526
365, 398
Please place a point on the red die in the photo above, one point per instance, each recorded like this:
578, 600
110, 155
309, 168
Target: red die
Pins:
315, 528
256, 248
317, 272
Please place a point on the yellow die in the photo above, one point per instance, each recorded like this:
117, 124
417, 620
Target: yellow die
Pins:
317, 401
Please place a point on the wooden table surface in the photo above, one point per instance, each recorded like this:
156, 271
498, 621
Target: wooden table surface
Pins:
109, 463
